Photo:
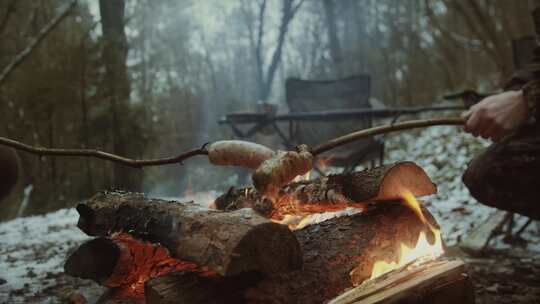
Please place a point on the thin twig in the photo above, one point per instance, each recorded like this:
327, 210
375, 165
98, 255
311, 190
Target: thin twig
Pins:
34, 43
340, 141
134, 163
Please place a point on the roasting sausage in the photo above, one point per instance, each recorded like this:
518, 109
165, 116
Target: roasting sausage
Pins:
238, 153
281, 169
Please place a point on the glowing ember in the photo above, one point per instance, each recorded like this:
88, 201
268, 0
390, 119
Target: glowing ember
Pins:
140, 261
423, 249
289, 210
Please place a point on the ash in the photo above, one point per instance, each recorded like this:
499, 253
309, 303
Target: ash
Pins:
33, 249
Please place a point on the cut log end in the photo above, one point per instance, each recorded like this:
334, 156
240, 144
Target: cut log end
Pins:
385, 183
94, 260
270, 246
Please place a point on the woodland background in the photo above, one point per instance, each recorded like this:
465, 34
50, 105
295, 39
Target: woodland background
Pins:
146, 78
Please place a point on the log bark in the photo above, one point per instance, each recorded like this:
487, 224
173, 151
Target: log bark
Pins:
383, 183
226, 242
331, 251
188, 287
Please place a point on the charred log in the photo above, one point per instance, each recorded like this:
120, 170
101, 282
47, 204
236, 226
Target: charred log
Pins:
338, 191
188, 287
226, 242
332, 251
124, 263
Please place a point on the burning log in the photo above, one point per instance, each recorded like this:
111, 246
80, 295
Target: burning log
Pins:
226, 242
335, 192
124, 263
331, 250
188, 287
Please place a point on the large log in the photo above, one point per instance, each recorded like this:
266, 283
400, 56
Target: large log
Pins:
226, 242
335, 191
188, 287
331, 251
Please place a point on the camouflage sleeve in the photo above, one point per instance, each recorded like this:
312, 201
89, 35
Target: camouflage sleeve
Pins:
528, 78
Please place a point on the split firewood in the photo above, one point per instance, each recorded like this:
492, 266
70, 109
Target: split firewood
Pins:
383, 183
226, 242
477, 240
9, 171
440, 281
338, 254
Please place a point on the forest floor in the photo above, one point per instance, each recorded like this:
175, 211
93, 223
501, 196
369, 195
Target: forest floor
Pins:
33, 249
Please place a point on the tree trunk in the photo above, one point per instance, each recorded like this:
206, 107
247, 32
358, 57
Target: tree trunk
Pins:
115, 54
226, 242
333, 35
9, 166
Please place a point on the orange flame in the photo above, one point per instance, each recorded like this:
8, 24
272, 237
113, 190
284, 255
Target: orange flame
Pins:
423, 249
289, 210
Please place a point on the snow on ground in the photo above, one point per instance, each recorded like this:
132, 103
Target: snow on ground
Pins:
33, 249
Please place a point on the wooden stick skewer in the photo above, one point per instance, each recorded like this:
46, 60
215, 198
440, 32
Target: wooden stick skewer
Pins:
412, 124
139, 163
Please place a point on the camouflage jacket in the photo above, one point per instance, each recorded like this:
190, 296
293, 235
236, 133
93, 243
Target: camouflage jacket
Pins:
528, 78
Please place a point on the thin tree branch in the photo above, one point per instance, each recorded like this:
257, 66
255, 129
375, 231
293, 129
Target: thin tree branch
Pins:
134, 163
340, 141
35, 42
297, 7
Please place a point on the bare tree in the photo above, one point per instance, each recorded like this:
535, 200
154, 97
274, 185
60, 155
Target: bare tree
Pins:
117, 84
265, 76
333, 35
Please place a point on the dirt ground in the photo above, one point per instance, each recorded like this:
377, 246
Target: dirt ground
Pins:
506, 276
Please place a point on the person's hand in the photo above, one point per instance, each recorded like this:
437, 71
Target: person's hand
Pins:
497, 116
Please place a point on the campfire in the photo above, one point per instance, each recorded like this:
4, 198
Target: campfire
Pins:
308, 243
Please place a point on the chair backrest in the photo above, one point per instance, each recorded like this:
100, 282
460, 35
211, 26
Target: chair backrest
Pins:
523, 50
343, 94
